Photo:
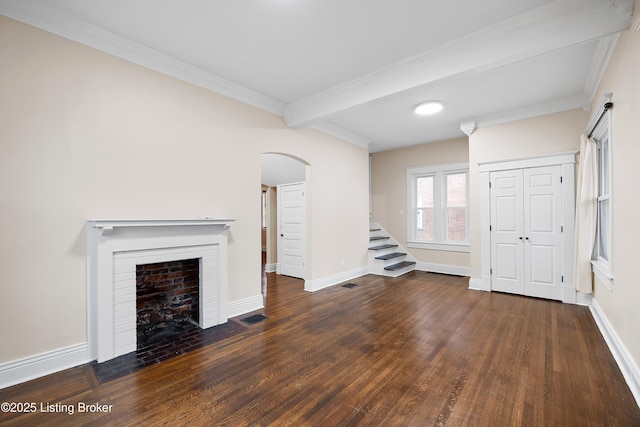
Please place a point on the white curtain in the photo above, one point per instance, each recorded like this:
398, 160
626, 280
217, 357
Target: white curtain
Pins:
586, 215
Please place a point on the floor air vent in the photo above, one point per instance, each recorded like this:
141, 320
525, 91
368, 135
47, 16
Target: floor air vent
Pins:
350, 285
256, 318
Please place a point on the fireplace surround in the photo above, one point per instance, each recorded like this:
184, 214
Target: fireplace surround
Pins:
116, 247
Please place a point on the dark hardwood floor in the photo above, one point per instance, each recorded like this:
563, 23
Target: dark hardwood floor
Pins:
419, 350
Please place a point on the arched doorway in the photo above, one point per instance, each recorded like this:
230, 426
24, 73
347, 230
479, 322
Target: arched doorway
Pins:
278, 169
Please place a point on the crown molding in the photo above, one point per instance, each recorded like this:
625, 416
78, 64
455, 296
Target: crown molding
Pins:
535, 110
54, 21
548, 28
492, 47
67, 26
341, 133
599, 64
606, 46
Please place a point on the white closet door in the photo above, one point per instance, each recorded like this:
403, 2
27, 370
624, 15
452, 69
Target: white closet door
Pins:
542, 232
507, 248
526, 237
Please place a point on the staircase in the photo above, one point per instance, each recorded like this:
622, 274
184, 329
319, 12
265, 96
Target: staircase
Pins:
386, 256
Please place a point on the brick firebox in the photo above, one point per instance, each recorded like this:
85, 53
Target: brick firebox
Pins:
166, 292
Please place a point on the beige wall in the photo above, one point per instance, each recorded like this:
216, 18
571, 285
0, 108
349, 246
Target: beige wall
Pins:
620, 304
544, 135
389, 191
86, 135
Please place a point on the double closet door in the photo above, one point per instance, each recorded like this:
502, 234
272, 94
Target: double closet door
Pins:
526, 231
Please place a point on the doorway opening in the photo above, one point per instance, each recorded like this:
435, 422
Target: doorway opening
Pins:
278, 170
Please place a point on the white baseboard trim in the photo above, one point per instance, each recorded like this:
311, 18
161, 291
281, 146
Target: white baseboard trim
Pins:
480, 283
247, 305
42, 364
32, 367
475, 284
444, 269
620, 353
270, 268
583, 299
325, 282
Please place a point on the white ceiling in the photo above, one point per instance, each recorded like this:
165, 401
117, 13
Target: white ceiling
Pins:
356, 68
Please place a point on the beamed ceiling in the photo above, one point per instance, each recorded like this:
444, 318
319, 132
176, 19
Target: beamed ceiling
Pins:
357, 68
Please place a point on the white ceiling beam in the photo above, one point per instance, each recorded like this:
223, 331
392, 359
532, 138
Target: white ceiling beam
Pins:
554, 26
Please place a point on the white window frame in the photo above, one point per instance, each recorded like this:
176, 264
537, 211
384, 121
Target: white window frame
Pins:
602, 267
439, 172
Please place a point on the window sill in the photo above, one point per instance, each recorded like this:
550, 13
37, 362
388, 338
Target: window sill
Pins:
449, 247
603, 273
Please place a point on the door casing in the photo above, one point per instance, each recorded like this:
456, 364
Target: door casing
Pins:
566, 161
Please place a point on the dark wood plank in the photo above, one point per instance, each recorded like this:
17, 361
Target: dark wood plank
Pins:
420, 349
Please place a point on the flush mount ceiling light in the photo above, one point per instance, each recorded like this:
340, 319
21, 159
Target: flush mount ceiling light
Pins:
429, 107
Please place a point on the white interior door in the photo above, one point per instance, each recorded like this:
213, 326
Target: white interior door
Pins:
291, 230
507, 248
543, 232
526, 233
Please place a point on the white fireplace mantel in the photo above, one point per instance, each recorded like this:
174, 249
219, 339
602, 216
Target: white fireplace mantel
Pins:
115, 246
107, 226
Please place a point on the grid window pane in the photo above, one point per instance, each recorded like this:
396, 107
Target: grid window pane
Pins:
424, 222
424, 208
457, 207
603, 229
602, 250
604, 168
424, 193
599, 162
457, 224
457, 189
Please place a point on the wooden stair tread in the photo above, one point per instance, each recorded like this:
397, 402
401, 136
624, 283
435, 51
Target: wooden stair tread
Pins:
379, 248
374, 238
400, 265
391, 255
